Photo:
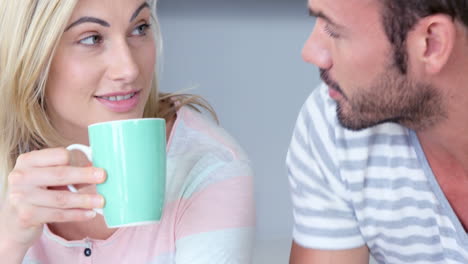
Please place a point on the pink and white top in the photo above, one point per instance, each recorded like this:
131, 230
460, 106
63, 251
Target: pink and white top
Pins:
208, 215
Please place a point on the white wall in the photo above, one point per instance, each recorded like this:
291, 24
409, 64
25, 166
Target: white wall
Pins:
245, 58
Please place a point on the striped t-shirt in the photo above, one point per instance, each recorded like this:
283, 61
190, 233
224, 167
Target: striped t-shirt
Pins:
373, 187
208, 215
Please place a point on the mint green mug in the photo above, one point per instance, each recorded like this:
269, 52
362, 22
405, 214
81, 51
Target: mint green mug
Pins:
133, 154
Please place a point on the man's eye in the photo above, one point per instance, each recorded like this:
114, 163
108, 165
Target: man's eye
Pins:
91, 40
330, 32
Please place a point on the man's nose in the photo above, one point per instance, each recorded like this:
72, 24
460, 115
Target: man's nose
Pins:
316, 50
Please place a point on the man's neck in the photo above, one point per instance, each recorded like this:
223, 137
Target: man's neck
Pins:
446, 141
447, 145
447, 153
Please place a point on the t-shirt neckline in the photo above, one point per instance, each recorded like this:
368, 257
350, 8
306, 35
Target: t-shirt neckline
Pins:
462, 235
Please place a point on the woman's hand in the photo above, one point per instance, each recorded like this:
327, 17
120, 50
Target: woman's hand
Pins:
30, 202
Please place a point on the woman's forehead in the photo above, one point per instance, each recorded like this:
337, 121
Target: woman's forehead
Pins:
110, 8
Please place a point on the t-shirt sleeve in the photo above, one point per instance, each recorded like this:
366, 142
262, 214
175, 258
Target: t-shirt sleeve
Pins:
216, 220
323, 213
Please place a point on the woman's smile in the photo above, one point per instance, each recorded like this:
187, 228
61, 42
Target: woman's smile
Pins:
120, 102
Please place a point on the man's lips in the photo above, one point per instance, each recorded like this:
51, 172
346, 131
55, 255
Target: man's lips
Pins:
334, 89
334, 94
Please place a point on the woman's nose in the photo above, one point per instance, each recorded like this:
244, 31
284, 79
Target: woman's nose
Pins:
123, 65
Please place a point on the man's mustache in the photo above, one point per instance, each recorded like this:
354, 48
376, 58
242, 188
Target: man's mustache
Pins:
325, 76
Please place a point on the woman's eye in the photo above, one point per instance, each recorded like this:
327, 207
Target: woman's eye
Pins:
91, 40
141, 30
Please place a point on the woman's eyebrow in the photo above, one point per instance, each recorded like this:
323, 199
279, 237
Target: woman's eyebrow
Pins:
137, 12
88, 20
103, 23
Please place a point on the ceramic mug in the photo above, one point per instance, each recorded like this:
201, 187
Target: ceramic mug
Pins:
133, 154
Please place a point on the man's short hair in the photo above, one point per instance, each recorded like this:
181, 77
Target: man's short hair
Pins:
400, 16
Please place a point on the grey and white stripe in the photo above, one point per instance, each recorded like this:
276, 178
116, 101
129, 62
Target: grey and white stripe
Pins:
372, 187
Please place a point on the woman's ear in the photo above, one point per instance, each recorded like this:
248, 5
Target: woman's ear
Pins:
432, 42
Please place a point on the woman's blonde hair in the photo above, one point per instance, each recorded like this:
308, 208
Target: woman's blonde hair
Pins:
30, 32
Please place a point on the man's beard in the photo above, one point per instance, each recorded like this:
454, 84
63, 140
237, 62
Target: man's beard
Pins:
392, 97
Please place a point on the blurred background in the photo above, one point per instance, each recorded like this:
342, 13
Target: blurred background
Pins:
244, 57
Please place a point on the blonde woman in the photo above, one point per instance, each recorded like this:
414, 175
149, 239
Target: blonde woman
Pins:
61, 61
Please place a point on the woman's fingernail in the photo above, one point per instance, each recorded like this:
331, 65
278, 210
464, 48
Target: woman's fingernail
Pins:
90, 214
99, 174
98, 202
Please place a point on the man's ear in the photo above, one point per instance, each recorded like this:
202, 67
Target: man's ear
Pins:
431, 42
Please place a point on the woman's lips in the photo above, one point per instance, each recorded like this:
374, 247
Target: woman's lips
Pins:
120, 102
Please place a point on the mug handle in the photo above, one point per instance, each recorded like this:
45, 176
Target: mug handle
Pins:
87, 151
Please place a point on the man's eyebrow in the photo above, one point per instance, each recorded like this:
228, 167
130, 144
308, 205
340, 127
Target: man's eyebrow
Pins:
321, 15
88, 20
137, 12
